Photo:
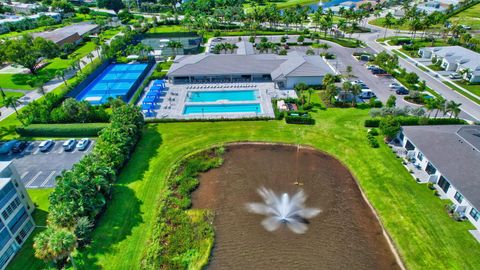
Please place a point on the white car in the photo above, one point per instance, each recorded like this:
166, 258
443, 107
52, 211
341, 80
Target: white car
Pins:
394, 85
83, 144
69, 145
455, 76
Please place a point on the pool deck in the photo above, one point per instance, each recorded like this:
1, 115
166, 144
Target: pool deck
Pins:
175, 100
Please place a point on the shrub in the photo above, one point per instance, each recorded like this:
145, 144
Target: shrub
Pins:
62, 130
431, 186
390, 127
372, 123
372, 141
303, 120
373, 132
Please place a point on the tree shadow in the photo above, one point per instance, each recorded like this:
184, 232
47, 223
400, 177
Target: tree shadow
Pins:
123, 212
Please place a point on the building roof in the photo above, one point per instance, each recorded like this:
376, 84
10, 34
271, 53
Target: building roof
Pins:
71, 32
245, 47
458, 54
455, 151
260, 64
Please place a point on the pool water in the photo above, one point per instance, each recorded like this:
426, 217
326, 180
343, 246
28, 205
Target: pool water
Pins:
213, 96
223, 108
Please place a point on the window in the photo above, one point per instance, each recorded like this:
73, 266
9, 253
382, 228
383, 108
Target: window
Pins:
401, 136
7, 193
443, 184
24, 232
4, 238
18, 220
6, 256
409, 146
420, 156
458, 197
475, 214
11, 208
430, 169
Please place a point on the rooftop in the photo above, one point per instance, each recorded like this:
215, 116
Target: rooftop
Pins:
261, 64
67, 31
455, 151
465, 57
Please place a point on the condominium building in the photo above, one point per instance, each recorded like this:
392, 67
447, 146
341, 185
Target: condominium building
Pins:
16, 222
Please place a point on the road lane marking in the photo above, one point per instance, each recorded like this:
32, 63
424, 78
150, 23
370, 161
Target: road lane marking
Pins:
48, 178
33, 179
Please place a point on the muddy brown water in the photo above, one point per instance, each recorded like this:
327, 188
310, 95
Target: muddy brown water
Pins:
346, 235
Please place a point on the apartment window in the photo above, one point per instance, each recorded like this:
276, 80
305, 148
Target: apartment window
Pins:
409, 146
458, 197
11, 208
430, 169
24, 232
18, 220
420, 156
6, 256
443, 184
475, 214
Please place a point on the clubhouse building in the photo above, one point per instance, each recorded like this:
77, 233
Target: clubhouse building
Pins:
450, 157
284, 71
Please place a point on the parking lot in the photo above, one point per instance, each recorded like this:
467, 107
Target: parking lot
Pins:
39, 169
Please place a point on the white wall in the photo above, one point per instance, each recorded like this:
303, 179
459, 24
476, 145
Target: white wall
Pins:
292, 81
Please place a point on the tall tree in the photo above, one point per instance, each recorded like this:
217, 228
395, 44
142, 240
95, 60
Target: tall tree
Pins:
115, 5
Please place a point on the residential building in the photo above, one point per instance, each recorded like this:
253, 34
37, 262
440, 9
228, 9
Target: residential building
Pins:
23, 8
70, 34
285, 71
450, 157
431, 7
456, 59
16, 222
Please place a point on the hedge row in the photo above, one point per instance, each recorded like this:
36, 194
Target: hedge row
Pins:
62, 130
291, 119
168, 120
83, 191
417, 121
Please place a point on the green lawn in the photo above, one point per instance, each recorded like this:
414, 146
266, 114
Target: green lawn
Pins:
456, 88
424, 234
469, 17
19, 81
23, 259
474, 88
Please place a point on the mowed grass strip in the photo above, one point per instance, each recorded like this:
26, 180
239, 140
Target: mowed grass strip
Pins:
426, 237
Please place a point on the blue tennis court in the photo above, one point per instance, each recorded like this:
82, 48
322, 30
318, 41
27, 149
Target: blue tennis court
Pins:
117, 80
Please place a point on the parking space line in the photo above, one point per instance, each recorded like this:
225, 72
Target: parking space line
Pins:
48, 178
89, 146
24, 174
36, 151
33, 179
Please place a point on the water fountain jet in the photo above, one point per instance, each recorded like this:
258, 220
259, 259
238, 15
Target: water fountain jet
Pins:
283, 210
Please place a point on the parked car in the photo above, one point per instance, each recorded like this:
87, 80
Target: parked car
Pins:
45, 145
455, 76
7, 147
19, 146
466, 27
394, 85
83, 144
402, 91
378, 71
69, 145
367, 94
370, 67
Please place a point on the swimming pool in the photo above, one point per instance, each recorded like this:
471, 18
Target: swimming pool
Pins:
213, 96
223, 108
117, 80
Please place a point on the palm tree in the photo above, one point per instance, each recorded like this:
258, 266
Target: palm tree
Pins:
388, 22
90, 56
174, 45
328, 79
310, 92
13, 102
453, 108
356, 90
60, 74
55, 244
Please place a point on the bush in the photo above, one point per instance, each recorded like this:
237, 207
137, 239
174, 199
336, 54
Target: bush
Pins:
372, 141
62, 130
390, 127
373, 132
303, 120
372, 123
431, 185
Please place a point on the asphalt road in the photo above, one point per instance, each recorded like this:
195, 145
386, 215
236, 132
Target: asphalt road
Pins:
38, 169
470, 110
